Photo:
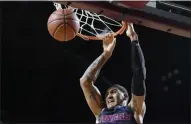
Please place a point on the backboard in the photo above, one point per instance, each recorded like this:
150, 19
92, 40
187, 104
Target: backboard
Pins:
169, 18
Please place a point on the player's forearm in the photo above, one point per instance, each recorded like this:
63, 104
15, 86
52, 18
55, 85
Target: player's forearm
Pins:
138, 60
93, 70
139, 70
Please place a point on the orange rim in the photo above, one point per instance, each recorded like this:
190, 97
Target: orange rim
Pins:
120, 31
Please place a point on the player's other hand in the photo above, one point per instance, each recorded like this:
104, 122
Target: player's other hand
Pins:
109, 42
130, 32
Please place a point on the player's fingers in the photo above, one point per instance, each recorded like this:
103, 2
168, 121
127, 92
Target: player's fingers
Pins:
105, 36
110, 35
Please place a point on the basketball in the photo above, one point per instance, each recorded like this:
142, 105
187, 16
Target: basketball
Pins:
63, 24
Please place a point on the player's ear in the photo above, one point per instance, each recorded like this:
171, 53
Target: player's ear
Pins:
125, 96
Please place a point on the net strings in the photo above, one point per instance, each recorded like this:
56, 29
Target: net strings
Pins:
87, 18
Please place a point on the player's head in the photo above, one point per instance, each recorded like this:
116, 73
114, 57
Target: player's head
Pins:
116, 95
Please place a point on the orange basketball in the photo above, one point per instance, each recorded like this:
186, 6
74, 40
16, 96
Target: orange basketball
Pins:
63, 24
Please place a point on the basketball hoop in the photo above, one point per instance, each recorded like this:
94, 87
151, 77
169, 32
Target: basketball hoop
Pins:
88, 27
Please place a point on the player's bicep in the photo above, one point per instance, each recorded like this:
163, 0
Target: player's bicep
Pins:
93, 97
137, 104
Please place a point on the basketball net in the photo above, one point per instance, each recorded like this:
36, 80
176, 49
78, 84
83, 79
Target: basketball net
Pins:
89, 21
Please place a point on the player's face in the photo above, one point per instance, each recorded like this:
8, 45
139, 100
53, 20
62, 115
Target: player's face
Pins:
113, 97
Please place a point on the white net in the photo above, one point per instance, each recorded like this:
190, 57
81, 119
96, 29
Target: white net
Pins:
58, 6
93, 24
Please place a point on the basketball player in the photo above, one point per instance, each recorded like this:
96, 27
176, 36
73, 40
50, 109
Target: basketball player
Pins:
117, 110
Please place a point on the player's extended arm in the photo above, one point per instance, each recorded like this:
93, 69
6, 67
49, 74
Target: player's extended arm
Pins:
138, 82
92, 94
